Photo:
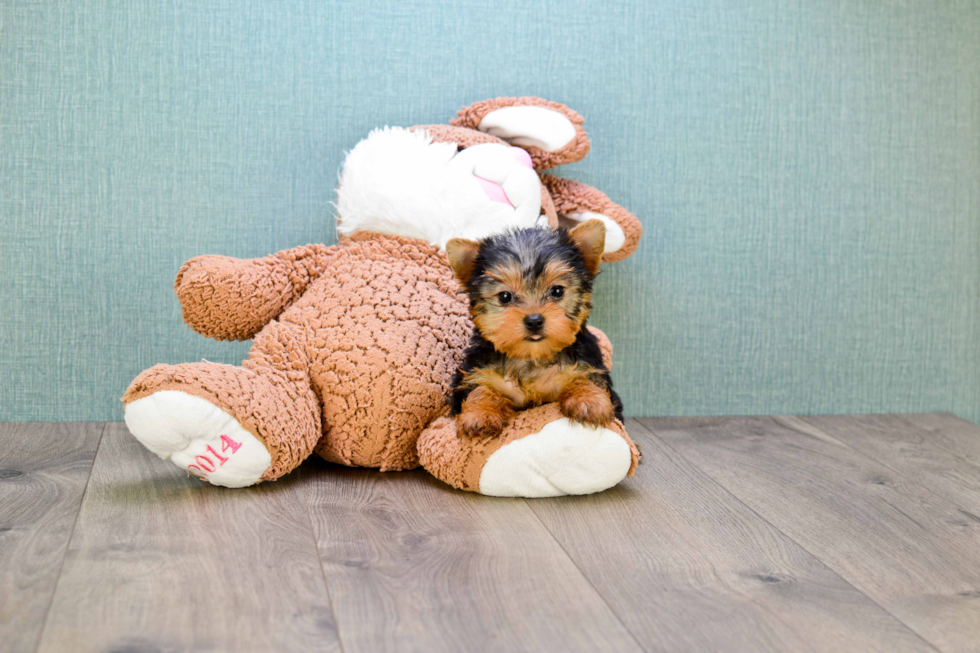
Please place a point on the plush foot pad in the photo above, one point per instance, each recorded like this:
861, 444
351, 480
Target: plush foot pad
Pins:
562, 458
199, 437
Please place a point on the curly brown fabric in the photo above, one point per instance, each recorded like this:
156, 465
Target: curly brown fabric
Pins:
227, 298
543, 160
385, 332
356, 368
270, 394
458, 460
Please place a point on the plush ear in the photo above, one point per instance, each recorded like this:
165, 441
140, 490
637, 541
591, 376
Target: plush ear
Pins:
550, 132
462, 258
576, 203
590, 237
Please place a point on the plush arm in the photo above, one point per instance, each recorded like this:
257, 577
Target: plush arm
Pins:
228, 298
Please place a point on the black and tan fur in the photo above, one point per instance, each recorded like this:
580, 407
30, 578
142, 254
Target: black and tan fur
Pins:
530, 295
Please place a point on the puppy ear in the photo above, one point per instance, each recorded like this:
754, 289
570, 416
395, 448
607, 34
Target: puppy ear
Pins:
462, 258
590, 238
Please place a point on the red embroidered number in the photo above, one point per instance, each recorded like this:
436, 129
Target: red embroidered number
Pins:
218, 455
227, 443
205, 464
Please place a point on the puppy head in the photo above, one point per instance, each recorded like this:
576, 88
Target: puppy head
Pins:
530, 289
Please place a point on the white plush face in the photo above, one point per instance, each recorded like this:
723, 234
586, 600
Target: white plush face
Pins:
399, 182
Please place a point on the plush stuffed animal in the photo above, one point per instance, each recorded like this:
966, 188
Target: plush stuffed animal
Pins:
355, 344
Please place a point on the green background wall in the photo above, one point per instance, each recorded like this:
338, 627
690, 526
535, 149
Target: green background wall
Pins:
808, 174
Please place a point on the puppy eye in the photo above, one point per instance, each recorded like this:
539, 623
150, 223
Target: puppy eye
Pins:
505, 297
556, 292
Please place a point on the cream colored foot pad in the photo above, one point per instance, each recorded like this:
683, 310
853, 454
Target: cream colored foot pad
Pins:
199, 437
562, 458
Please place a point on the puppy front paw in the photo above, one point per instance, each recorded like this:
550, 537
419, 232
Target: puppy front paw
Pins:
485, 414
481, 423
587, 404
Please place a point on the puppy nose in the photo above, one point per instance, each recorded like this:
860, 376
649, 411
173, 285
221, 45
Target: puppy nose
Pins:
534, 322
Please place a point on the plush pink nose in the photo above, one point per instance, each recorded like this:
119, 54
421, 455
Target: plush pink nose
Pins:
522, 157
493, 190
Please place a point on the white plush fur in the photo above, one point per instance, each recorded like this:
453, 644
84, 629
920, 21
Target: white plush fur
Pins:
399, 182
562, 458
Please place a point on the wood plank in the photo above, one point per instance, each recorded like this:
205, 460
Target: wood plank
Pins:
907, 449
687, 567
159, 561
908, 549
414, 565
950, 433
43, 472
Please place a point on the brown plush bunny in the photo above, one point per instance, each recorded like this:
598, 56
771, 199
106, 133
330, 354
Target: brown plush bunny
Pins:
355, 344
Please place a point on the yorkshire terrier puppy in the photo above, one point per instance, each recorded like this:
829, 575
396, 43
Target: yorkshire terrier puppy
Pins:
530, 294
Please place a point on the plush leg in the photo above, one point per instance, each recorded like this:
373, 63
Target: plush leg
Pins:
539, 454
232, 426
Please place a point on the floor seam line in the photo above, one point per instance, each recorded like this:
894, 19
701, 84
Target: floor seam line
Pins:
71, 536
319, 561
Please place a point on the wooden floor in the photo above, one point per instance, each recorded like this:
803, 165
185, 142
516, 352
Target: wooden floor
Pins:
736, 534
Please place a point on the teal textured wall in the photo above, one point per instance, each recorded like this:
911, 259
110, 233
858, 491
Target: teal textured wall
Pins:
808, 174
